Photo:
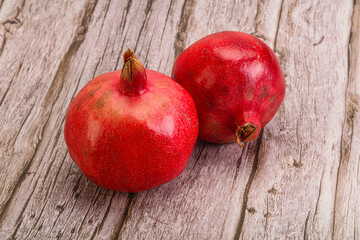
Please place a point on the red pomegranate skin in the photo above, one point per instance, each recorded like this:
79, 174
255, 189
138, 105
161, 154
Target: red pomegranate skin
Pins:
131, 140
236, 82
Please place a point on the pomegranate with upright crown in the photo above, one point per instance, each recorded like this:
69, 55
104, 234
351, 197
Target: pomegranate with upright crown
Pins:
236, 82
131, 130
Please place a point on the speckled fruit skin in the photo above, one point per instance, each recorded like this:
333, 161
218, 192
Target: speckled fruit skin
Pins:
131, 143
235, 79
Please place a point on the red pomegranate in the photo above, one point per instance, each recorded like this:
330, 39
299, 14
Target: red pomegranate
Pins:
236, 83
131, 130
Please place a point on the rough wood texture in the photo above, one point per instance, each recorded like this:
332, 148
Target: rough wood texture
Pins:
347, 209
295, 183
300, 179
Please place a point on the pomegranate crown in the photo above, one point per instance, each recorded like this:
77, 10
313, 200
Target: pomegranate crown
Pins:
133, 75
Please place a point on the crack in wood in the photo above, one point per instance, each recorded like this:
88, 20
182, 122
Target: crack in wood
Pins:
20, 129
94, 233
148, 11
58, 172
122, 26
319, 42
78, 84
198, 157
297, 162
76, 187
355, 237
25, 206
305, 236
37, 221
57, 136
1, 3
319, 194
166, 20
238, 164
4, 207
124, 217
247, 188
107, 211
93, 200
17, 226
278, 25
102, 24
11, 82
257, 22
58, 81
181, 35
345, 142
148, 47
19, 220
75, 196
2, 46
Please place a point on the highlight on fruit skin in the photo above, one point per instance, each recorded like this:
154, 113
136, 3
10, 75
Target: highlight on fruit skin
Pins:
236, 82
131, 130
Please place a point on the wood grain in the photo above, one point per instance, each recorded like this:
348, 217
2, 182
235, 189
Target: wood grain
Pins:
54, 199
300, 179
295, 182
28, 89
347, 212
208, 201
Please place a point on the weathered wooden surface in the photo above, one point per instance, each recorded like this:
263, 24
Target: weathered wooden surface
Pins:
300, 179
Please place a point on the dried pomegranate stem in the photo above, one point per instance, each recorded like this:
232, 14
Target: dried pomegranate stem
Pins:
133, 75
244, 133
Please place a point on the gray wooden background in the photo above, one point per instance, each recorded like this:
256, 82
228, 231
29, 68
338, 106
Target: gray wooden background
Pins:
300, 179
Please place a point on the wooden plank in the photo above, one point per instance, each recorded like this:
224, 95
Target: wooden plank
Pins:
347, 208
33, 113
293, 190
27, 89
187, 208
206, 201
296, 181
53, 199
9, 23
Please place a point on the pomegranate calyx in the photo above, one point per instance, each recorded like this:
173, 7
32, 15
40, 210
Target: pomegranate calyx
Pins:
244, 132
133, 75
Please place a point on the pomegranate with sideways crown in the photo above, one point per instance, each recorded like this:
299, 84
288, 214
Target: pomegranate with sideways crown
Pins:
131, 130
236, 82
